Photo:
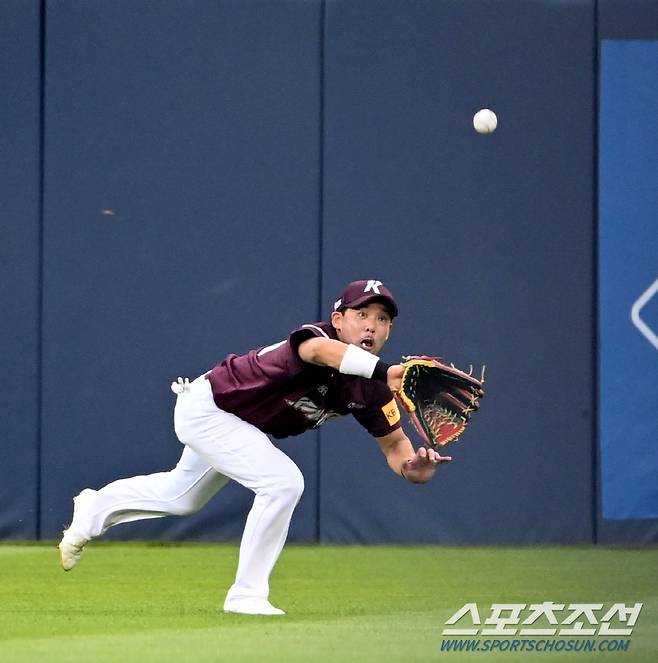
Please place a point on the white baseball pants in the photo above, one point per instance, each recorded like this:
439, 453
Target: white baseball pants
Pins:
218, 446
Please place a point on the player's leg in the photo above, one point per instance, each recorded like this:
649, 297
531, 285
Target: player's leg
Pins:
240, 451
185, 489
278, 490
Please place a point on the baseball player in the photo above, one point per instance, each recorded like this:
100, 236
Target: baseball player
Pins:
226, 417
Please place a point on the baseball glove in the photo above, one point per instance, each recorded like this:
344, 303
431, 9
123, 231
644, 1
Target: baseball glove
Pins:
439, 399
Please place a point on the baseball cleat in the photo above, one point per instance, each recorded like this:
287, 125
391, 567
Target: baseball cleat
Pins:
252, 606
70, 552
72, 544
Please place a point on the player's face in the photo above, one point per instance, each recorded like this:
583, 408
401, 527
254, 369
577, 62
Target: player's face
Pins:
367, 327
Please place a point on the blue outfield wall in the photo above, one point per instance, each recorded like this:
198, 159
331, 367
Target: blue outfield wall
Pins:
19, 268
214, 171
629, 288
182, 176
628, 271
486, 240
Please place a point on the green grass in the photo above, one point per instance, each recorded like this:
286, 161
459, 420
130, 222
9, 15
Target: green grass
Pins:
137, 602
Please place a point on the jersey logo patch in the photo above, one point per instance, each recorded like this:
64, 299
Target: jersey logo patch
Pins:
314, 413
391, 412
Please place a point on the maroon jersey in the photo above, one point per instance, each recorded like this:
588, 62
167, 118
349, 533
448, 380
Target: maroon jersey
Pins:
273, 389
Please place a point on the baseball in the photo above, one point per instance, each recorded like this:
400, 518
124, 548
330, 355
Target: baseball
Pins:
485, 121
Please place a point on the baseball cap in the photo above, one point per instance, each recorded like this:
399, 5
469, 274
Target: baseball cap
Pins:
360, 293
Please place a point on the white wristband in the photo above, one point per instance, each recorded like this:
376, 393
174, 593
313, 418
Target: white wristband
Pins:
357, 361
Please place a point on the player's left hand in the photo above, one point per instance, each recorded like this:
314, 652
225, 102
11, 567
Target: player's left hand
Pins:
422, 467
394, 377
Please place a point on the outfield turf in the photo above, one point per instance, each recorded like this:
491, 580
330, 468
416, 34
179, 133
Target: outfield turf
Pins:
140, 602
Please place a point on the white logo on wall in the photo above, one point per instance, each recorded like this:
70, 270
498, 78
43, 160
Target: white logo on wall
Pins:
637, 307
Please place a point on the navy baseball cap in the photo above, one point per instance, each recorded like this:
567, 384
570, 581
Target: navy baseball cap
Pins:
360, 293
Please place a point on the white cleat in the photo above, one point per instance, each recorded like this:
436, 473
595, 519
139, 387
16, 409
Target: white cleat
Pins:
70, 552
252, 606
72, 544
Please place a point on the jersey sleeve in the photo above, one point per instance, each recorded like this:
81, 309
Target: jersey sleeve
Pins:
303, 333
381, 416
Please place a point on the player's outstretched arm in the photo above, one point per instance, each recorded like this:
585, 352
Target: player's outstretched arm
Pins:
416, 466
322, 351
349, 359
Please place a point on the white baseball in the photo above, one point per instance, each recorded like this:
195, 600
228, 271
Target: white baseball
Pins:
485, 121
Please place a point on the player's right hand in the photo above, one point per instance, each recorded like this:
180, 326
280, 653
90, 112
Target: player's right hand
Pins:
181, 386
